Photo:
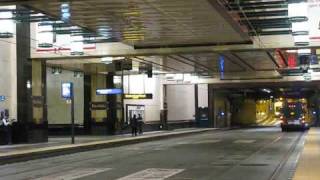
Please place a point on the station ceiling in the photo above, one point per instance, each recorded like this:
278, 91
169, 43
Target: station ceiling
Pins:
165, 24
152, 23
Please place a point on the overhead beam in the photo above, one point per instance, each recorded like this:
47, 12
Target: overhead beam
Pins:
160, 65
197, 63
272, 59
243, 61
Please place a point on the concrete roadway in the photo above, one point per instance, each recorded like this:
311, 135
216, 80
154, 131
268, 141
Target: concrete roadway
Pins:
250, 154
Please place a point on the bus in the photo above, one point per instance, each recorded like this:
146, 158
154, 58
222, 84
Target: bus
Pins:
293, 116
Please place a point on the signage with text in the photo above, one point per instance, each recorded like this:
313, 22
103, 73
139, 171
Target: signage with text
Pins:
108, 91
138, 96
99, 105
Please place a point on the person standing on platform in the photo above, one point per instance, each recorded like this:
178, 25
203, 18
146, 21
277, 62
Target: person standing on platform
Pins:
7, 127
140, 123
134, 124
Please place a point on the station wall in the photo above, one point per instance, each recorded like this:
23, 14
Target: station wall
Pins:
58, 109
246, 114
221, 110
181, 102
8, 76
141, 84
203, 95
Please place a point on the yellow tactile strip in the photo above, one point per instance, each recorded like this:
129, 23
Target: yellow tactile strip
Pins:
309, 162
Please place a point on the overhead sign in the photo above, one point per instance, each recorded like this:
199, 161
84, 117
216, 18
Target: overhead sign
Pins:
108, 91
138, 96
292, 61
67, 90
2, 98
221, 63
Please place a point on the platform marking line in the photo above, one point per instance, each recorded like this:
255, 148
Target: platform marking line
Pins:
152, 174
74, 174
244, 141
207, 141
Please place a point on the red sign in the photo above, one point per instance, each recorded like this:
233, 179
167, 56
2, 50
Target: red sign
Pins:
292, 60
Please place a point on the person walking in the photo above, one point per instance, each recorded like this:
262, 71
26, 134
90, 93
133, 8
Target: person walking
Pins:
134, 124
140, 123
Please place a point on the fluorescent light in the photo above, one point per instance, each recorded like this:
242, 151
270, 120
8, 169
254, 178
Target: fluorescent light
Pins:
266, 90
298, 11
44, 35
304, 51
77, 45
107, 60
291, 51
301, 40
7, 23
300, 28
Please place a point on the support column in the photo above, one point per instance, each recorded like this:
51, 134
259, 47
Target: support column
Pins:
164, 108
98, 105
31, 109
211, 106
112, 106
196, 103
87, 99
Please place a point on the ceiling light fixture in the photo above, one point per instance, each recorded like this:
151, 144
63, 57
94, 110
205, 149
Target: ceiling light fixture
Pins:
298, 15
77, 45
45, 35
7, 22
56, 70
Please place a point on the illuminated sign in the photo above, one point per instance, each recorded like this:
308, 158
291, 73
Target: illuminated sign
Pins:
138, 96
66, 90
221, 63
292, 62
108, 91
2, 98
65, 12
314, 59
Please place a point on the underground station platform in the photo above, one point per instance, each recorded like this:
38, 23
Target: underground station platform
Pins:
160, 89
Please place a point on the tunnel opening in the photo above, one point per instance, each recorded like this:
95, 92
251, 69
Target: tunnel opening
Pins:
264, 106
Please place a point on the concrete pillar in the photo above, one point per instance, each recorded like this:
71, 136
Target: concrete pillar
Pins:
211, 106
112, 106
87, 99
98, 115
31, 110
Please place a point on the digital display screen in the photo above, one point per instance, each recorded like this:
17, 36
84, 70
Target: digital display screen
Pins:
66, 90
108, 91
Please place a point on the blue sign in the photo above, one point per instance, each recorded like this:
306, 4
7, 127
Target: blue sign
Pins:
67, 90
313, 59
221, 66
221, 63
65, 12
2, 98
108, 91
